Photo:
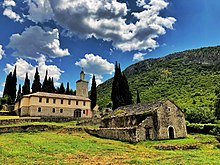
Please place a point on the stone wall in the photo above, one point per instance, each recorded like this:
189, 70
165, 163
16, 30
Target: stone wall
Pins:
123, 134
39, 127
124, 121
18, 121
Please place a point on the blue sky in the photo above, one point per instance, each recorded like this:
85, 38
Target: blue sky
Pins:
64, 36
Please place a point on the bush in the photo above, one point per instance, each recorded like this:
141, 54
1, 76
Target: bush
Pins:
200, 115
204, 128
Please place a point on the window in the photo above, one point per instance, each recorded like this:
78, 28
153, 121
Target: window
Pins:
61, 110
77, 103
54, 110
39, 109
54, 101
40, 99
84, 103
169, 109
84, 111
69, 102
87, 112
47, 100
61, 102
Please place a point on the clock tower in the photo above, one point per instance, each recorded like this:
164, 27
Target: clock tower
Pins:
82, 86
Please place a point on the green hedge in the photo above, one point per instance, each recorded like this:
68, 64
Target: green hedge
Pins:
204, 128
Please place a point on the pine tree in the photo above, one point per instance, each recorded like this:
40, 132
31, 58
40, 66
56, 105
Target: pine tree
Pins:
36, 86
93, 95
13, 85
68, 89
138, 97
19, 94
26, 86
61, 89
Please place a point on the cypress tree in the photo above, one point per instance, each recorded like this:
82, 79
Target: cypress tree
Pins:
138, 97
52, 86
126, 93
93, 95
36, 86
26, 86
121, 94
68, 88
13, 85
49, 86
7, 89
19, 94
45, 83
61, 89
116, 97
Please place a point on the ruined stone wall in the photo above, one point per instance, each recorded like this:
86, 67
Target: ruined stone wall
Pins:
123, 134
18, 121
123, 121
146, 130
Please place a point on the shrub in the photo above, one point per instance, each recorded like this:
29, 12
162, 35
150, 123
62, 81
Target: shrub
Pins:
200, 115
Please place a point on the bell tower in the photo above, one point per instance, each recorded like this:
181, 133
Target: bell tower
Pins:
82, 86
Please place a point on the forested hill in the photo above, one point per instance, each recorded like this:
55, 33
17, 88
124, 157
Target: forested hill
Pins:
189, 78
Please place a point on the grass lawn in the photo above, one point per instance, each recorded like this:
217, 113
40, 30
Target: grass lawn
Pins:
61, 147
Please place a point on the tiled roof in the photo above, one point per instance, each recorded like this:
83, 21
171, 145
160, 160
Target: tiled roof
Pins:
58, 96
141, 107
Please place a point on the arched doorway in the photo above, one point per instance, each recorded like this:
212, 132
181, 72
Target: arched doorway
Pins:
77, 113
171, 132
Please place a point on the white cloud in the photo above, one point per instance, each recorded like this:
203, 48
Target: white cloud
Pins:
2, 52
39, 10
138, 57
12, 15
8, 3
106, 19
23, 67
94, 64
34, 41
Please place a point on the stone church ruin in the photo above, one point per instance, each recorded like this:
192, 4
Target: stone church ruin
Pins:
157, 120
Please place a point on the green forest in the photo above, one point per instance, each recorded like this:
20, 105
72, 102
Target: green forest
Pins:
190, 79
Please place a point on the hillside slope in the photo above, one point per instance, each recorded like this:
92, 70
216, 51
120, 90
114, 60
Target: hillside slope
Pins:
189, 78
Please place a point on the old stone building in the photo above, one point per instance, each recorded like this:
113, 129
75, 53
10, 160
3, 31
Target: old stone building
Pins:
57, 105
158, 120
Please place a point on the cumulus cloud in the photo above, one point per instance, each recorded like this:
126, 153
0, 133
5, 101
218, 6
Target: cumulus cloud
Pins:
12, 15
94, 64
23, 66
8, 3
35, 41
39, 10
2, 52
138, 56
107, 20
